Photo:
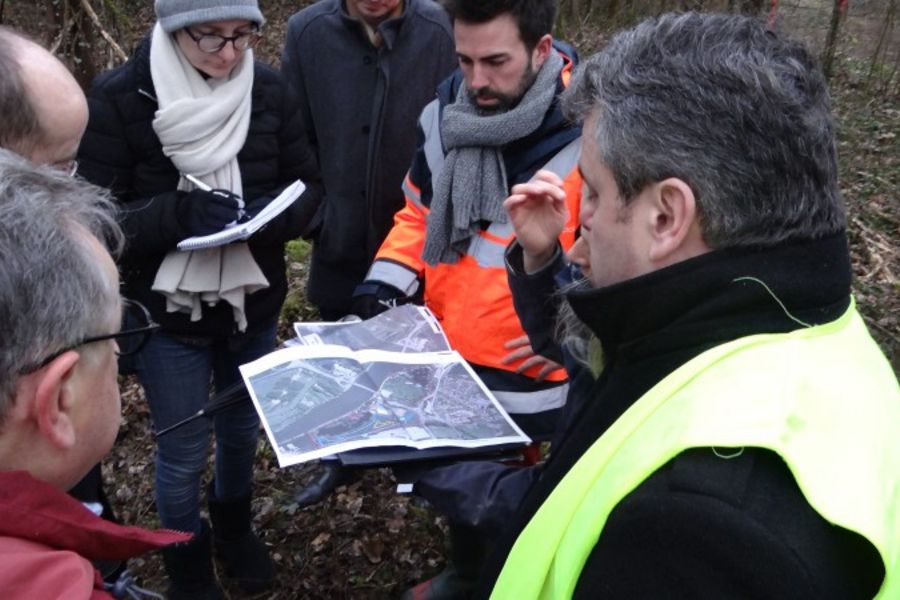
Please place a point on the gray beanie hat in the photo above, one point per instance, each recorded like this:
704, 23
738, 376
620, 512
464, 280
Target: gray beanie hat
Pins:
177, 14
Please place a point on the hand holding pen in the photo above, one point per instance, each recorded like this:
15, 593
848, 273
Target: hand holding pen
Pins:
213, 209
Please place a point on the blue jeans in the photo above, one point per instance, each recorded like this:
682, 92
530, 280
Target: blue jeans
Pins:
175, 375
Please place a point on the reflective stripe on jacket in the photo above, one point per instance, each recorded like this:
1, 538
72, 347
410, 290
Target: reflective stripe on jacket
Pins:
789, 393
471, 298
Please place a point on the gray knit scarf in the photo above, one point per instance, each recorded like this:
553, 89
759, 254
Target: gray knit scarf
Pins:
472, 185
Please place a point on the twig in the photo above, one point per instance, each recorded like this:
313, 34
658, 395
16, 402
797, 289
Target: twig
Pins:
96, 20
870, 321
880, 265
145, 509
62, 30
875, 238
877, 178
375, 570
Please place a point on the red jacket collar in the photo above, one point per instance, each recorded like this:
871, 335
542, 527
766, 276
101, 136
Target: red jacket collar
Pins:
37, 511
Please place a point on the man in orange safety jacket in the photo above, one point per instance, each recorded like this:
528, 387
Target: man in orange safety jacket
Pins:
494, 123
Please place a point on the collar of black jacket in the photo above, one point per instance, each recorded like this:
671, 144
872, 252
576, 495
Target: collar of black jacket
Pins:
731, 293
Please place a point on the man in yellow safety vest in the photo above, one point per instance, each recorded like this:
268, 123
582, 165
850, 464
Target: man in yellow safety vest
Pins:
731, 428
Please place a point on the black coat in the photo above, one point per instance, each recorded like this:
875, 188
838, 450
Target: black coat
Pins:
362, 103
702, 526
121, 151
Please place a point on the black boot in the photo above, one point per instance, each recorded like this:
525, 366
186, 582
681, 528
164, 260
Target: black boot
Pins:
245, 557
190, 569
331, 475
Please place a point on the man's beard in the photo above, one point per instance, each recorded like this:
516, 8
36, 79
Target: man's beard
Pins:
506, 101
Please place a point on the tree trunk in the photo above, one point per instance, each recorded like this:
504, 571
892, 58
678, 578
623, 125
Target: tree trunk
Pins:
878, 64
837, 16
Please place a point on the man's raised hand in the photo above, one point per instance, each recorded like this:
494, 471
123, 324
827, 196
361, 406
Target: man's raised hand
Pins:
538, 213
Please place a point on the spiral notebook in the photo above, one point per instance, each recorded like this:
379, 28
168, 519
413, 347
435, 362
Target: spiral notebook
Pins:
242, 231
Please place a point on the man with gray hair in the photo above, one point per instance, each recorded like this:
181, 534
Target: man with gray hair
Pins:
60, 317
731, 429
44, 116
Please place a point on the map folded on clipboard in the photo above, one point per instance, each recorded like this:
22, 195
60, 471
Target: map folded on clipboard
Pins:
320, 399
244, 230
406, 328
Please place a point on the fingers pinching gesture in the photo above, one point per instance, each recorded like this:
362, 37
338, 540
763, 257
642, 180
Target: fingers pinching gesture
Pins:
538, 213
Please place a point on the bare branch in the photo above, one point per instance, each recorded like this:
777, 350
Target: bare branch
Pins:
96, 20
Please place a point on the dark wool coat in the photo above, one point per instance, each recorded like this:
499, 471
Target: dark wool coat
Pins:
362, 103
121, 151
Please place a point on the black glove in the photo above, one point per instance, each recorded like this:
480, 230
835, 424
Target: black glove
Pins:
203, 213
254, 207
298, 220
372, 297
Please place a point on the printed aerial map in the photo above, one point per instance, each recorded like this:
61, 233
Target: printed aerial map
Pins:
380, 382
406, 328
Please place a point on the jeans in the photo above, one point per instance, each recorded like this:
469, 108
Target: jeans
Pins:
175, 375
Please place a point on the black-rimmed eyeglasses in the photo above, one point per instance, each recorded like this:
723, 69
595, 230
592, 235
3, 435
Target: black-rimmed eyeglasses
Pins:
140, 326
212, 42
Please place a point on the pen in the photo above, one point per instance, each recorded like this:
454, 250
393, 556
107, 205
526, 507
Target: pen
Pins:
198, 183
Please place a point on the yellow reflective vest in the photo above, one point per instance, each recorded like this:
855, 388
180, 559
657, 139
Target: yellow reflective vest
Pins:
824, 398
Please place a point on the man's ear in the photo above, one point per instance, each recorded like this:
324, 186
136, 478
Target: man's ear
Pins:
541, 51
675, 229
54, 397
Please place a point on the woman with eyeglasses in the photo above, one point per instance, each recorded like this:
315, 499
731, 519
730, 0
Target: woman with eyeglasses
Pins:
191, 103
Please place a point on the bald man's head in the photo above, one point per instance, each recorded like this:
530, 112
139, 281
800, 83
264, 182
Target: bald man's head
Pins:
45, 111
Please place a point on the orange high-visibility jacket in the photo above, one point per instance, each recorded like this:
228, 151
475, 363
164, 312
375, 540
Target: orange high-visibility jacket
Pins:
471, 298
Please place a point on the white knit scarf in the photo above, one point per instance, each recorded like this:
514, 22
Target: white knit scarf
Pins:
202, 124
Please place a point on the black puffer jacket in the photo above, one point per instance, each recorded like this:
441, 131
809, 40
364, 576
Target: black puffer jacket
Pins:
121, 151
